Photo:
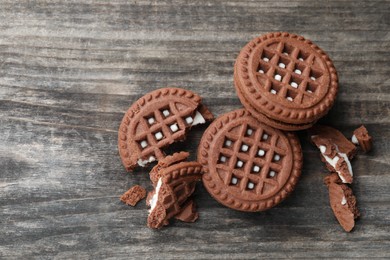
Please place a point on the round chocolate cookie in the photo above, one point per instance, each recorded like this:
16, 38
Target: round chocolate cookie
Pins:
285, 80
155, 121
248, 166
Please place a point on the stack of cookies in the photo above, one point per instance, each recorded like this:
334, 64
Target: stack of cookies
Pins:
249, 159
285, 83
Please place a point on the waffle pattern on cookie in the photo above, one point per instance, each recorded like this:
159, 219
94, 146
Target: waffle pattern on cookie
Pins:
286, 77
161, 127
175, 194
155, 121
290, 73
248, 165
251, 160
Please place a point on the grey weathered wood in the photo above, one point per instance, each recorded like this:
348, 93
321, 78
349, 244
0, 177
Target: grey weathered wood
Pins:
68, 72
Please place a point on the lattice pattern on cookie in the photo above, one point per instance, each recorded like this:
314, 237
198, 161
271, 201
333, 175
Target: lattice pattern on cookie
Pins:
176, 195
289, 72
162, 127
250, 158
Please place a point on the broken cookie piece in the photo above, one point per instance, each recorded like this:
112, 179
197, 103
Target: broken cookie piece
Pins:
334, 160
335, 137
332, 178
336, 150
343, 203
362, 138
133, 195
175, 184
155, 121
156, 172
188, 212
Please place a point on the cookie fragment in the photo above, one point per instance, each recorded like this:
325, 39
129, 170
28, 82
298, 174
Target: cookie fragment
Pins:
155, 121
335, 137
336, 150
285, 80
157, 172
133, 195
332, 178
176, 183
343, 203
362, 138
334, 160
188, 212
249, 166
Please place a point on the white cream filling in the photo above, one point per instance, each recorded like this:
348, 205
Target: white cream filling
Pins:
228, 143
333, 161
144, 143
354, 140
174, 128
244, 147
343, 201
198, 119
143, 163
347, 161
153, 200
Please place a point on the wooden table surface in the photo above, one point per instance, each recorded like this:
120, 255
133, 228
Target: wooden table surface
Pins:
69, 71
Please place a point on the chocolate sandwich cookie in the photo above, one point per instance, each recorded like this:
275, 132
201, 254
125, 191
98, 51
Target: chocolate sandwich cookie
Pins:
175, 184
285, 81
157, 120
342, 202
248, 165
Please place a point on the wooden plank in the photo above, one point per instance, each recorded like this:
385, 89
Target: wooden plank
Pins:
69, 71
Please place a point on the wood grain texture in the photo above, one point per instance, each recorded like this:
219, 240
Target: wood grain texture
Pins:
70, 69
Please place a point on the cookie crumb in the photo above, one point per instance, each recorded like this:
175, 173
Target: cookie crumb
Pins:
133, 195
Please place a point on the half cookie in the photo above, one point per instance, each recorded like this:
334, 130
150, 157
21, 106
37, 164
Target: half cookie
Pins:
248, 165
155, 121
285, 80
